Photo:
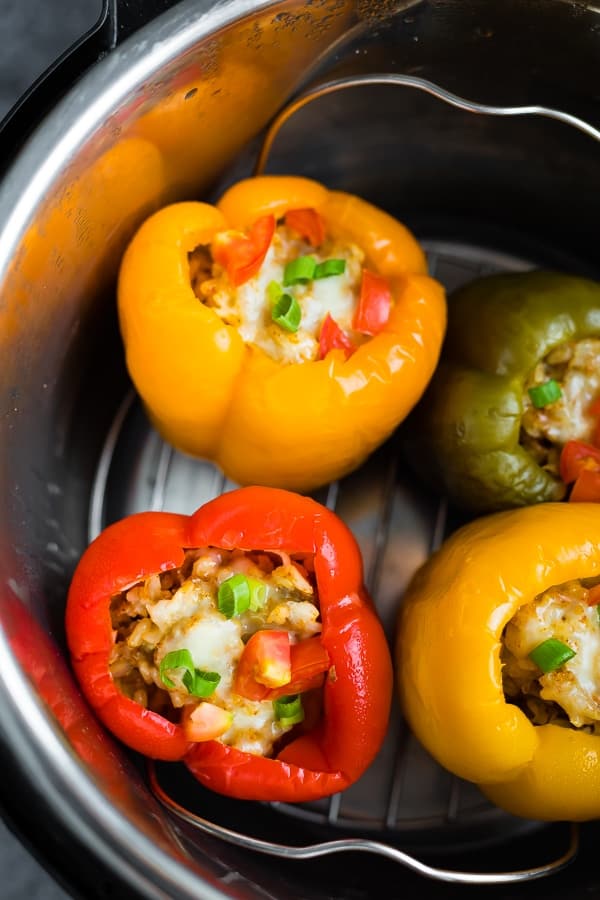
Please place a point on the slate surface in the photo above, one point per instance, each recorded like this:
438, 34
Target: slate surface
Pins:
32, 34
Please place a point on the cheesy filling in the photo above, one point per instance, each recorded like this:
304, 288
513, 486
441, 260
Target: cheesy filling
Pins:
248, 308
570, 694
178, 610
575, 366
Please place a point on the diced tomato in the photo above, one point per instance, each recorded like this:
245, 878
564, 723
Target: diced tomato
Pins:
587, 487
206, 722
273, 664
593, 597
374, 304
243, 255
265, 663
307, 223
594, 410
577, 456
332, 337
310, 662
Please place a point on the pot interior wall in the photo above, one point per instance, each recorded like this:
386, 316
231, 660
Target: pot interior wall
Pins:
481, 192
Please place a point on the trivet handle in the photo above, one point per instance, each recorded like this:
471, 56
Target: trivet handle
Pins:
364, 845
420, 84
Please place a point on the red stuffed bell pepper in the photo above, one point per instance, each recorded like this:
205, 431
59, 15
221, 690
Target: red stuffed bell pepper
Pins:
239, 639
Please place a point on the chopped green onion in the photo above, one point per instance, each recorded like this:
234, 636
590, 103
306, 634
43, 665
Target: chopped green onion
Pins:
299, 271
543, 394
287, 313
598, 613
201, 684
241, 592
288, 710
258, 593
330, 267
233, 596
551, 655
176, 659
196, 682
274, 291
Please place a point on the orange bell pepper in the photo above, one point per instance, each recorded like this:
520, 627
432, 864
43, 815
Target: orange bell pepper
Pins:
210, 394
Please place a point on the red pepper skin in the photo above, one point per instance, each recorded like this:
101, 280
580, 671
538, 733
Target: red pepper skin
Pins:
358, 688
123, 554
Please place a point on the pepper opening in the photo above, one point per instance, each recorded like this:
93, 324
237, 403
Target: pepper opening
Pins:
565, 689
332, 288
574, 366
180, 648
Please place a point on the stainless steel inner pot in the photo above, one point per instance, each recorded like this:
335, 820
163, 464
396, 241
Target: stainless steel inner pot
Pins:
178, 111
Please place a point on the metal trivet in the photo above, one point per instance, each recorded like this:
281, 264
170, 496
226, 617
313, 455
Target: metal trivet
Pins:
361, 845
419, 84
405, 796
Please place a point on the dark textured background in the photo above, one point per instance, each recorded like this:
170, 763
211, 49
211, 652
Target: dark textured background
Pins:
32, 34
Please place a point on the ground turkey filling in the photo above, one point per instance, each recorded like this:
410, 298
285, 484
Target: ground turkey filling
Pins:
248, 307
575, 366
569, 695
178, 610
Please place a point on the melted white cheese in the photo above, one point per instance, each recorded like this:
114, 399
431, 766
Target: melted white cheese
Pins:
248, 308
575, 686
185, 602
254, 728
214, 642
568, 418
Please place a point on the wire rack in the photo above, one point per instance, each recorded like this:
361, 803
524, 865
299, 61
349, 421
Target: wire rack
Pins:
405, 798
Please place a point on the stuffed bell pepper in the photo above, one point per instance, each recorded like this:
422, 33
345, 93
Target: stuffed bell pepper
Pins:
518, 386
283, 333
498, 650
239, 639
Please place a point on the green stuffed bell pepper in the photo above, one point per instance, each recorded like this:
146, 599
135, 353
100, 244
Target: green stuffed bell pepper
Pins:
519, 377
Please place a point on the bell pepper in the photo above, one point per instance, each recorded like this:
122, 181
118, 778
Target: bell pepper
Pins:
466, 436
352, 646
214, 396
448, 645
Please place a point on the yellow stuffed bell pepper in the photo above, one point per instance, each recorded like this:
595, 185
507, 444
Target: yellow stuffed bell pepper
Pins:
283, 333
498, 652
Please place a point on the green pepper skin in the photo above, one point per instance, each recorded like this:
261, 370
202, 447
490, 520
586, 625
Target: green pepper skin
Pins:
464, 435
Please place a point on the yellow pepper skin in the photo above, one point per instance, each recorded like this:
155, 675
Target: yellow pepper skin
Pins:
448, 659
209, 394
